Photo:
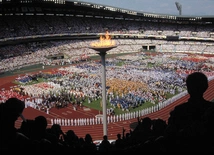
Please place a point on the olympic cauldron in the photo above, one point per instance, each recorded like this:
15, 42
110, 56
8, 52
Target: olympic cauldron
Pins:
102, 47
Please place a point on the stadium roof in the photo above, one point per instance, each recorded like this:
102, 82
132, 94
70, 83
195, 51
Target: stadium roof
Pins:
76, 7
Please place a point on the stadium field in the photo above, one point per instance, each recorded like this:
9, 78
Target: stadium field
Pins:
85, 112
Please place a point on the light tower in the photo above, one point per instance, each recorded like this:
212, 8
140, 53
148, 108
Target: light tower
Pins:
179, 7
102, 48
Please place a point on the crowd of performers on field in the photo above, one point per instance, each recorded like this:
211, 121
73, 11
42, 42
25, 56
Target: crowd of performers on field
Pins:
128, 86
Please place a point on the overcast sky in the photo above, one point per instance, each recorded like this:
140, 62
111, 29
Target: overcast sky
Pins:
189, 7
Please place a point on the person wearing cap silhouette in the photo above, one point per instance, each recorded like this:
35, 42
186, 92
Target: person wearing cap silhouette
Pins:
10, 138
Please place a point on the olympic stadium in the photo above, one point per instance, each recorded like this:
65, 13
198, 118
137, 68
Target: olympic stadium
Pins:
45, 51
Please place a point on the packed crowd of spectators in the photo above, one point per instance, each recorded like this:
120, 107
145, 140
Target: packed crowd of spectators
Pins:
76, 51
20, 26
18, 56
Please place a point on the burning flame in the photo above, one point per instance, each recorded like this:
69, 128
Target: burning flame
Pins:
105, 41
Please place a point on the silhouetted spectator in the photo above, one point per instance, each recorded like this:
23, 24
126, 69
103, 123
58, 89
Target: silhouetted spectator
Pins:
105, 145
180, 132
72, 141
158, 127
119, 142
27, 128
46, 140
10, 138
89, 146
143, 131
57, 131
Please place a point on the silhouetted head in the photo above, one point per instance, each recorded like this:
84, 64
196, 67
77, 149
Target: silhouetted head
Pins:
12, 109
118, 135
105, 137
146, 122
197, 84
88, 138
41, 122
56, 129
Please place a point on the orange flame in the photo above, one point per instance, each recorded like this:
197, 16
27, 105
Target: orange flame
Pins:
105, 41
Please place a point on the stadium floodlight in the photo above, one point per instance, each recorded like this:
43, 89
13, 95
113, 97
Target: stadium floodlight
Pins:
179, 7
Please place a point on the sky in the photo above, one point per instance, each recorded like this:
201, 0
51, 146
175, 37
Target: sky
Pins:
189, 7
